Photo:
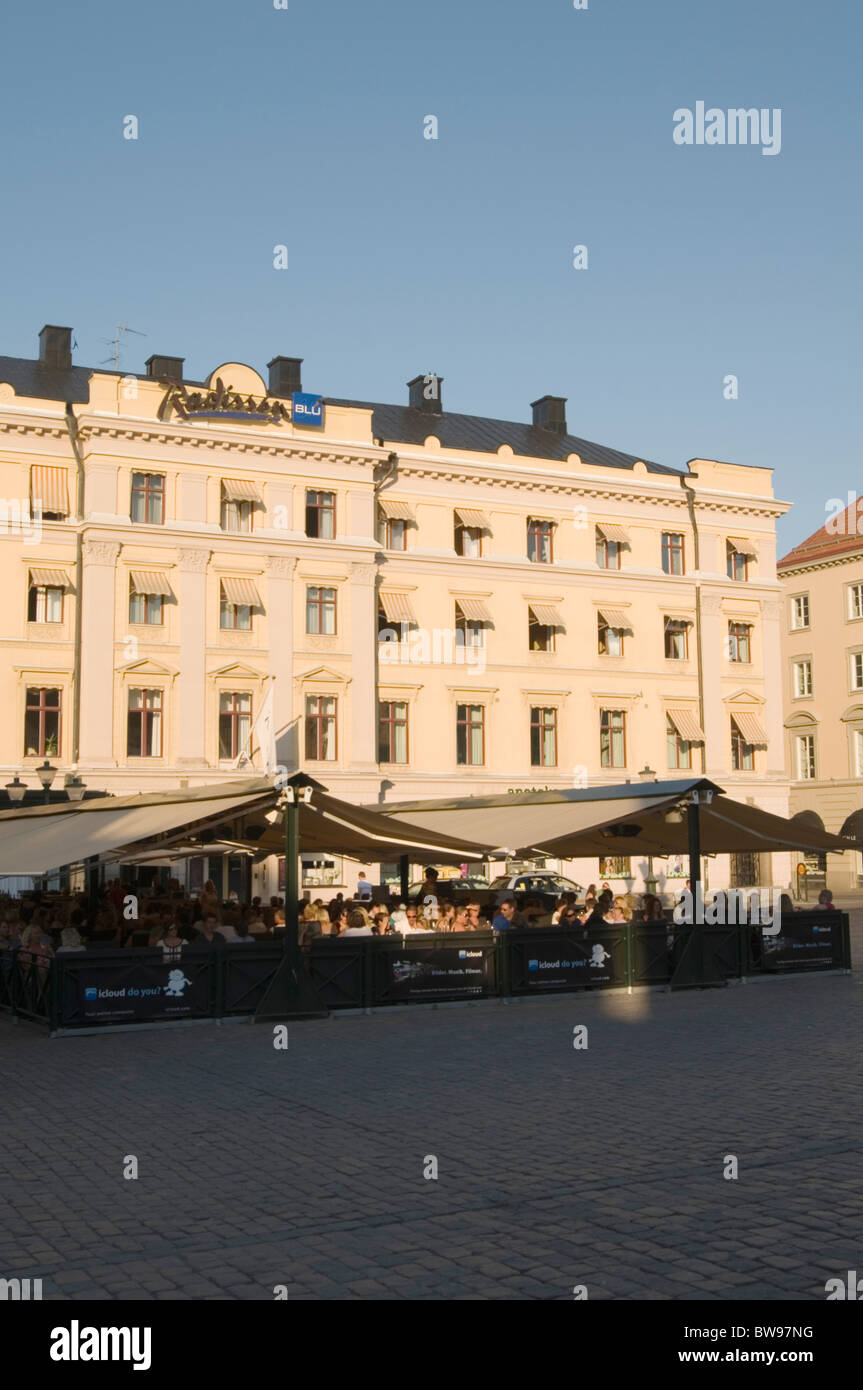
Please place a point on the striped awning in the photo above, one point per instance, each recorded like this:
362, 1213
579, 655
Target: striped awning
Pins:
240, 490
468, 516
751, 728
547, 614
474, 609
49, 579
397, 608
743, 545
395, 511
49, 487
241, 591
617, 618
686, 725
678, 620
149, 582
612, 532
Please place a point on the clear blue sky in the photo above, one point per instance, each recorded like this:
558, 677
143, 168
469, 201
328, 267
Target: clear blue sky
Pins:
305, 127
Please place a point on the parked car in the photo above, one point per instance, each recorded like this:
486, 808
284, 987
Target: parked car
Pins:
454, 889
545, 887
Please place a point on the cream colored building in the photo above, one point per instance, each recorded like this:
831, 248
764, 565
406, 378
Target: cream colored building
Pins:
823, 675
427, 601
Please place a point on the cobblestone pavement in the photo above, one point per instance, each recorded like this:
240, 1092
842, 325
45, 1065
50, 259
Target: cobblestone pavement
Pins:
556, 1167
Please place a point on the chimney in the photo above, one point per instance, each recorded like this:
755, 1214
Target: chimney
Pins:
549, 413
285, 376
425, 394
170, 367
55, 347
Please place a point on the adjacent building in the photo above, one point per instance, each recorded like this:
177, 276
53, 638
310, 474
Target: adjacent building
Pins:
823, 675
410, 599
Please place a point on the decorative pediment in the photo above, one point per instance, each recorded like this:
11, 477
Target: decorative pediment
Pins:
744, 697
320, 674
803, 720
146, 666
238, 670
852, 715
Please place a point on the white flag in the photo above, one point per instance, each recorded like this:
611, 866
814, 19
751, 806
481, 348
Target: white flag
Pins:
265, 725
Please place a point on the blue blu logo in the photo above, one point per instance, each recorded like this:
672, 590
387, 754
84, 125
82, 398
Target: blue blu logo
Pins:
91, 993
307, 410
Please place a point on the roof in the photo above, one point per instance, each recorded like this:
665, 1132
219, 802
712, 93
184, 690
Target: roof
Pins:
403, 424
394, 424
844, 537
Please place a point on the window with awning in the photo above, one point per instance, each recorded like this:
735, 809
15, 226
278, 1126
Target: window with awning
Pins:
616, 618
547, 615
43, 578
392, 510
474, 609
241, 490
612, 532
241, 592
687, 725
49, 491
470, 516
751, 729
149, 582
743, 545
397, 608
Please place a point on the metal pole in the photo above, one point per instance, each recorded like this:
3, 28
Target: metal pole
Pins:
693, 812
292, 886
404, 876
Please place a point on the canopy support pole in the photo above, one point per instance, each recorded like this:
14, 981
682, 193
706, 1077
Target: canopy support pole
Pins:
404, 876
291, 993
696, 966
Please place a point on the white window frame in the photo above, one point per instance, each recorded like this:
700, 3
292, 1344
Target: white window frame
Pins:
794, 600
851, 591
796, 683
810, 766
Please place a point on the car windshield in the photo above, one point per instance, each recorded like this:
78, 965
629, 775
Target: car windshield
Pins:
502, 882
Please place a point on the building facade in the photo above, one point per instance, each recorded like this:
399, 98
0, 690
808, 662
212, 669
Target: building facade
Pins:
823, 676
414, 600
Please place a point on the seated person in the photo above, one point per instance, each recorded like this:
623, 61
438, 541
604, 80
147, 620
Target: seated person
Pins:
356, 925
504, 917
208, 934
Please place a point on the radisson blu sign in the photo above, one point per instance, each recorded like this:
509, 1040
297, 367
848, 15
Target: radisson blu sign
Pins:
307, 410
222, 402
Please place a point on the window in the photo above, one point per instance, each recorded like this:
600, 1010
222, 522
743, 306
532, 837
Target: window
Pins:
471, 629
672, 552
742, 753
540, 636
144, 608
739, 643
607, 552
543, 737
392, 731
49, 492
610, 639
805, 757
679, 751
234, 616
320, 611
235, 722
468, 540
540, 537
855, 600
44, 604
394, 533
612, 738
857, 670
148, 498
800, 611
470, 735
738, 564
237, 515
321, 728
802, 679
321, 515
676, 639
615, 866
144, 724
42, 723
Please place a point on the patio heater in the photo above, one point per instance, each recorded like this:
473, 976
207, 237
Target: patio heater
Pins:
694, 965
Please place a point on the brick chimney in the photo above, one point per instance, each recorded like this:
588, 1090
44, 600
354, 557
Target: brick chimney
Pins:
425, 394
55, 347
161, 367
286, 376
549, 413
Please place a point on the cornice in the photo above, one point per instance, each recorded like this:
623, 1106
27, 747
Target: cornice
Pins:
827, 563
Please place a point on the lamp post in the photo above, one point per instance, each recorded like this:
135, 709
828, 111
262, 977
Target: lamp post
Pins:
647, 774
17, 789
46, 774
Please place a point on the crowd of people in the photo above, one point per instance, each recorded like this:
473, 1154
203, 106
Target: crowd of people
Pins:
39, 927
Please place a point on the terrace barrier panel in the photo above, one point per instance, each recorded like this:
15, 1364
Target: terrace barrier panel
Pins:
110, 987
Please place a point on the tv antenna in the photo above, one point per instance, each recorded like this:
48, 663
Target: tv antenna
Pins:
116, 343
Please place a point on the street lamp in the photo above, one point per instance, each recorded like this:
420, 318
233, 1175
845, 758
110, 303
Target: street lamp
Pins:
46, 774
647, 774
75, 789
17, 789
